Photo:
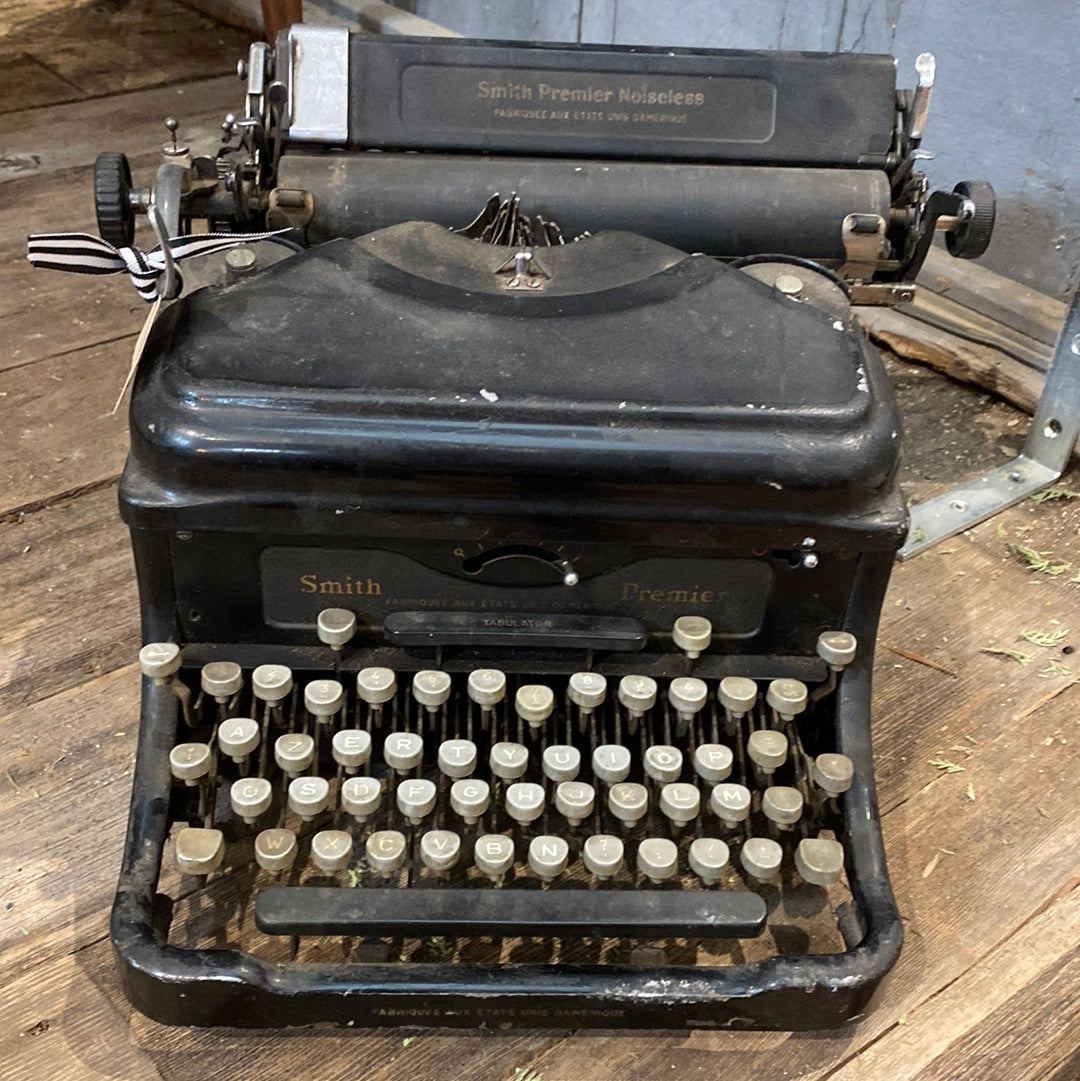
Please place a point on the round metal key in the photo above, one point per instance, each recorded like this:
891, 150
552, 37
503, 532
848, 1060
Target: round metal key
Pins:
692, 634
658, 858
221, 680
603, 855
361, 797
385, 850
331, 850
335, 627
376, 686
761, 858
272, 683
708, 857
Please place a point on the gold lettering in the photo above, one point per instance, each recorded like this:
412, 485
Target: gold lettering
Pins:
309, 583
330, 586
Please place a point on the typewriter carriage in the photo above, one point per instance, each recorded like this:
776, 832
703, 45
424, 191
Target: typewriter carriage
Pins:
826, 136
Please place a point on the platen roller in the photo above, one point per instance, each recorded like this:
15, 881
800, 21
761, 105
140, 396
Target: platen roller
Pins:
724, 210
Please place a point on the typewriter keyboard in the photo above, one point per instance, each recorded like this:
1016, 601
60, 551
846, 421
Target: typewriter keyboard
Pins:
428, 815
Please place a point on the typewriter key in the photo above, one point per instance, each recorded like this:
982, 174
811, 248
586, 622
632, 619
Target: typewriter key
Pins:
534, 703
637, 694
336, 627
238, 737
575, 801
250, 797
494, 855
837, 649
737, 695
712, 762
308, 796
403, 751
416, 799
275, 850
188, 762
761, 858
457, 757
628, 802
376, 686
525, 802
663, 763
658, 859
768, 750
331, 850
440, 850
561, 762
680, 802
603, 855
687, 696
730, 803
611, 762
160, 661
819, 860
271, 683
708, 858
692, 634
470, 799
431, 689
587, 690
508, 761
199, 851
294, 753
221, 680
351, 748
385, 851
360, 797
323, 698
782, 805
487, 687
548, 857
833, 773
787, 697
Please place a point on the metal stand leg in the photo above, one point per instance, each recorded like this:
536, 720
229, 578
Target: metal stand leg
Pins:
1047, 450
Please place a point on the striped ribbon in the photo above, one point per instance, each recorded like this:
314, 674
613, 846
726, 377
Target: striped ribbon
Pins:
83, 253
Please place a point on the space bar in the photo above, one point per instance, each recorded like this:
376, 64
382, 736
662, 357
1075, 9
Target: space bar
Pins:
419, 913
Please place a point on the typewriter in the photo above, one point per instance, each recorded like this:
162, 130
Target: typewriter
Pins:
511, 539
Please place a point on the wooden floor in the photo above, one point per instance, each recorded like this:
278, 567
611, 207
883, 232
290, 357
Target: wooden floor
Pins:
984, 861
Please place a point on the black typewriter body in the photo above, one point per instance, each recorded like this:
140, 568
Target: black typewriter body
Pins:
555, 497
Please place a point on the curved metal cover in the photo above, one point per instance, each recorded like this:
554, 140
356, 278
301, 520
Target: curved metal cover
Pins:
404, 353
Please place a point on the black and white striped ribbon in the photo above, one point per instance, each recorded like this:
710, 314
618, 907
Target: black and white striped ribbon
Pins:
83, 253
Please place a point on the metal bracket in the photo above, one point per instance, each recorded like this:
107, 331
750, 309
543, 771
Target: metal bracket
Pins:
1048, 448
863, 237
523, 271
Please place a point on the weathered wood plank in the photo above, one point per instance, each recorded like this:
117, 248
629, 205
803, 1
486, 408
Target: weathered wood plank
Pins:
1011, 303
47, 140
45, 314
55, 1023
57, 430
71, 611
970, 1029
24, 79
946, 314
133, 46
956, 357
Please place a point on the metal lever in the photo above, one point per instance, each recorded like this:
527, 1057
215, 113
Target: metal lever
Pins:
167, 285
1046, 454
